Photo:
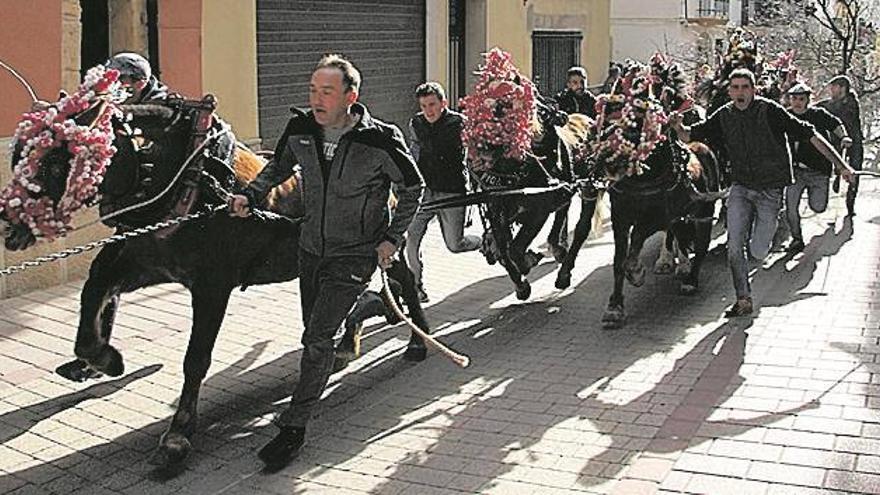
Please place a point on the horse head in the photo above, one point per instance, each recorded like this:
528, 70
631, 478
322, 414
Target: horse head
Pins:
42, 165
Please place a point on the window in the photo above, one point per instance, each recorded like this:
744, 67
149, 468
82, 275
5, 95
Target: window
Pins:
553, 53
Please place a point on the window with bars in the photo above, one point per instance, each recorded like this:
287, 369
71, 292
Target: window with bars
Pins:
713, 8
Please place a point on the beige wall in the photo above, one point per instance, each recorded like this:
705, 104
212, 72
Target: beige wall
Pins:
509, 24
229, 62
128, 26
437, 41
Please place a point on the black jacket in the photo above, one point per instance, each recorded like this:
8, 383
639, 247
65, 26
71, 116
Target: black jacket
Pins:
438, 151
756, 141
346, 200
804, 152
572, 102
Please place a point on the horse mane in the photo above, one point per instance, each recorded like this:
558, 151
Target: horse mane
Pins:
248, 165
576, 129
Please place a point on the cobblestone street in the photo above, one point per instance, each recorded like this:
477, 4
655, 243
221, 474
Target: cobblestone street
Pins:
678, 401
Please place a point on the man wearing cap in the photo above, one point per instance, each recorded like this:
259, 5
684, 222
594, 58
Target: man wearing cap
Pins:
754, 131
811, 169
137, 77
575, 98
844, 104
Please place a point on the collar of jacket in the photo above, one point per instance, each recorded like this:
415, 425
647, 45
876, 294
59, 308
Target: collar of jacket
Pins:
306, 124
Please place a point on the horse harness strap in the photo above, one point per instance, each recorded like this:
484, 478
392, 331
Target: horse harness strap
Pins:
202, 121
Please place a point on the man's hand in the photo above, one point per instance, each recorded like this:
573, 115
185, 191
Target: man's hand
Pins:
239, 206
847, 173
846, 143
385, 252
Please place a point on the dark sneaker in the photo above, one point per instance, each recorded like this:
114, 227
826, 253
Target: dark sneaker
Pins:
795, 246
742, 307
283, 448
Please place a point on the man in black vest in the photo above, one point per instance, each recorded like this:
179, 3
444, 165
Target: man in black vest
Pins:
844, 104
811, 170
575, 98
755, 133
435, 135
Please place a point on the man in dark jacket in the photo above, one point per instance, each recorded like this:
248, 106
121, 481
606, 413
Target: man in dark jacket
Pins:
844, 104
755, 133
348, 161
435, 134
137, 77
811, 170
575, 98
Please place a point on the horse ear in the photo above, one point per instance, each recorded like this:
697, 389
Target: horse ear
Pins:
62, 94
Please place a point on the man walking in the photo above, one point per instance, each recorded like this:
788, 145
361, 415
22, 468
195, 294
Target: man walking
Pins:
844, 104
755, 133
811, 170
349, 160
435, 134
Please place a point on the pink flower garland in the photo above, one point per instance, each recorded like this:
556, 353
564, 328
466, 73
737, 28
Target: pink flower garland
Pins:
627, 140
499, 113
92, 149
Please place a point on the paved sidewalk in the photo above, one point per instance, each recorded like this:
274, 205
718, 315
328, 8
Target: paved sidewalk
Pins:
679, 401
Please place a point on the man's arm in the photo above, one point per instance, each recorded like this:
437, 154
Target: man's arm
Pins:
707, 130
415, 145
402, 170
279, 169
830, 154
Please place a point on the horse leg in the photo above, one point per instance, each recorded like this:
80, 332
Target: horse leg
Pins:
98, 303
526, 259
682, 252
503, 239
666, 259
634, 268
209, 302
702, 238
615, 315
557, 239
581, 232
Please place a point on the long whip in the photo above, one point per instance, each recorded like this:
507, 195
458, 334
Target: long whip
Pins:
21, 79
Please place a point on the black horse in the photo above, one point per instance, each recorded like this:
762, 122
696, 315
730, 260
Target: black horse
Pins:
147, 181
518, 196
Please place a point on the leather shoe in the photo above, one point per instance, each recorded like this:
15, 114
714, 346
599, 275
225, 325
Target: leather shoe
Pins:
795, 246
742, 307
283, 448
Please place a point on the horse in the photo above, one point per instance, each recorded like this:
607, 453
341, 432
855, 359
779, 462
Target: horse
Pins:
148, 180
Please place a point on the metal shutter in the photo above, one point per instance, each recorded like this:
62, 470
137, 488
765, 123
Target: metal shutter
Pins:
553, 53
385, 39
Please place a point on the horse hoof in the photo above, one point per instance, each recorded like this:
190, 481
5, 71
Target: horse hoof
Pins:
563, 280
77, 371
173, 449
523, 291
687, 289
614, 317
664, 268
109, 362
415, 354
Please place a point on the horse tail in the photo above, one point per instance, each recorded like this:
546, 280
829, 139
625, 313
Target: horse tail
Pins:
283, 198
575, 130
601, 215
708, 164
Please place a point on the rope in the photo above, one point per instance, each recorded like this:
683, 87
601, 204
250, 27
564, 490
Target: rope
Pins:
21, 79
122, 236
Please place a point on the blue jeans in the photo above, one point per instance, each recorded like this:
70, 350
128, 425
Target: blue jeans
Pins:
752, 217
816, 184
451, 224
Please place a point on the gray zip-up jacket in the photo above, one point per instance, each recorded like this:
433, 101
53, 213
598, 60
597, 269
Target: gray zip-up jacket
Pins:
346, 200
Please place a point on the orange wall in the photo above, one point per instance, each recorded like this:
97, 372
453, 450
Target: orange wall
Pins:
180, 46
30, 41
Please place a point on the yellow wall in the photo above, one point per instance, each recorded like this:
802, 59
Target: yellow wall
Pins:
509, 24
437, 41
229, 62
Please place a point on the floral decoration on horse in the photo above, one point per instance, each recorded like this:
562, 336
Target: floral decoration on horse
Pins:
499, 112
631, 123
91, 145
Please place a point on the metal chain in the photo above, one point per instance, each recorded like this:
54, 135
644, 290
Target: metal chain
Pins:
122, 236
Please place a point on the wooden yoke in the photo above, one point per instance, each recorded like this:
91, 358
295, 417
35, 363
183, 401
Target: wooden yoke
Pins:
201, 112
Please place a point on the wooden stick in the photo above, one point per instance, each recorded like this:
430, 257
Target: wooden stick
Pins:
459, 359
